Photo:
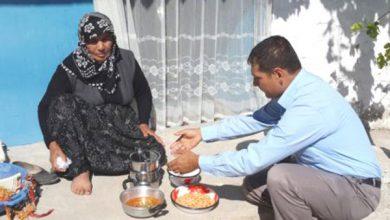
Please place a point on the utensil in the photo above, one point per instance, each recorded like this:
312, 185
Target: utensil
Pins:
180, 137
145, 162
142, 191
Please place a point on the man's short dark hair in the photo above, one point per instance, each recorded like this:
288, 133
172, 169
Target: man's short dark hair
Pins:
274, 52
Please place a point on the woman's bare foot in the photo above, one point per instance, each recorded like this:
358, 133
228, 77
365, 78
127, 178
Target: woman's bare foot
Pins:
81, 184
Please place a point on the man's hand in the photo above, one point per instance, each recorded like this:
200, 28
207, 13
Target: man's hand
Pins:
188, 139
146, 131
184, 163
56, 151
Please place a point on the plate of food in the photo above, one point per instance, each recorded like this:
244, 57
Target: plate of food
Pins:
194, 198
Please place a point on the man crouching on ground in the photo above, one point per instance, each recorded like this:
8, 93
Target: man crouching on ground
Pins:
334, 173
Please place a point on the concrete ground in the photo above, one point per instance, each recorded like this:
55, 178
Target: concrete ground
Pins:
104, 202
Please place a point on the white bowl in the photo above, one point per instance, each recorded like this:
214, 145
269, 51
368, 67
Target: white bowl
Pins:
178, 179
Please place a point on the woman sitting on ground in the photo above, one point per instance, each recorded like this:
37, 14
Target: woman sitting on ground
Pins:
85, 114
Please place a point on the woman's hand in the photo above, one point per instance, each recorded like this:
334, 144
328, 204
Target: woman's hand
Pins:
188, 139
146, 131
56, 151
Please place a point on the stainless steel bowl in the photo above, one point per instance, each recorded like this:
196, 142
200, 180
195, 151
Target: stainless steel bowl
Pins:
146, 176
141, 191
152, 179
129, 183
181, 180
147, 162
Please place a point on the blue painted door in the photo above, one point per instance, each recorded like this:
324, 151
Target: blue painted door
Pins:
35, 37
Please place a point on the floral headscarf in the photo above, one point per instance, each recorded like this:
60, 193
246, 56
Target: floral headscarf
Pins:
103, 75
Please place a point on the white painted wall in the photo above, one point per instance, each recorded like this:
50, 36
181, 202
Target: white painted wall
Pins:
319, 30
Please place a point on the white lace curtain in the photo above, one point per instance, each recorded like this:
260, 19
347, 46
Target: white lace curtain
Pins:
193, 53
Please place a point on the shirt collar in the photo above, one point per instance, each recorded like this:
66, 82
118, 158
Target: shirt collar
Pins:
288, 96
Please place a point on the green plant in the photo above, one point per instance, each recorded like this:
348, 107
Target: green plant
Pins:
372, 30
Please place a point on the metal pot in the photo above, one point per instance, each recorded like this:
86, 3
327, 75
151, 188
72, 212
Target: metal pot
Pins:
152, 179
141, 191
146, 161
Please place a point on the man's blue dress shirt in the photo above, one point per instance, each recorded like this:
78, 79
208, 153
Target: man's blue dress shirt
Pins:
318, 127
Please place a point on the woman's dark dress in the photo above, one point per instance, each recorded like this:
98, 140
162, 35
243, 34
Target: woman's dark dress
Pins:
98, 138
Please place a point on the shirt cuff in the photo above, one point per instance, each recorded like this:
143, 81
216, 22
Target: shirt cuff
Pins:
209, 133
144, 120
206, 163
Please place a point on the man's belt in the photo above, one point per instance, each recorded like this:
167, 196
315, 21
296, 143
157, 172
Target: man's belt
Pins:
375, 182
